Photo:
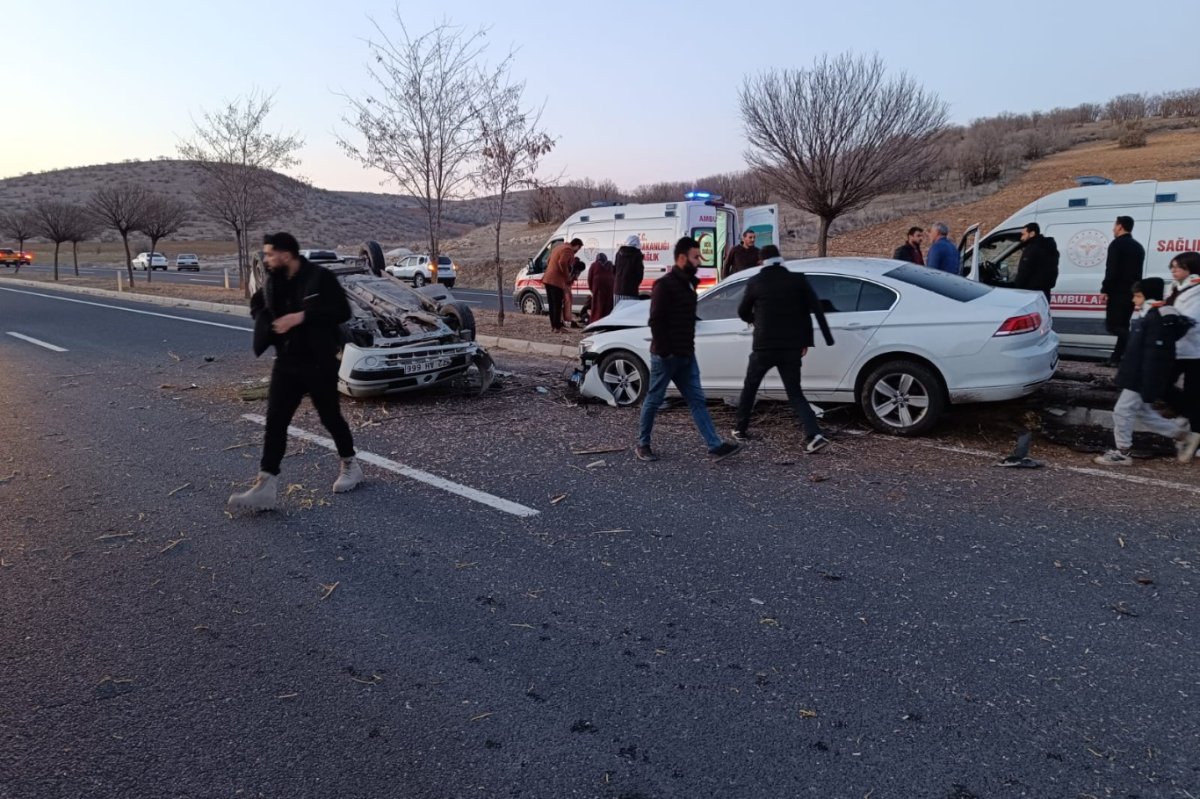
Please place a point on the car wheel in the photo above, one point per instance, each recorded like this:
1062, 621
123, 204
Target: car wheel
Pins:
903, 398
418, 280
531, 303
625, 376
460, 318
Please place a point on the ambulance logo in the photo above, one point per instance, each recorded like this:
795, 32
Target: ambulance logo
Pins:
1088, 248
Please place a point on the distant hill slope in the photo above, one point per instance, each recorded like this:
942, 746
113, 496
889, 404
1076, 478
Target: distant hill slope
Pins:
326, 218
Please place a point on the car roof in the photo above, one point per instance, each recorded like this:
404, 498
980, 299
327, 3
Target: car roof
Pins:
865, 267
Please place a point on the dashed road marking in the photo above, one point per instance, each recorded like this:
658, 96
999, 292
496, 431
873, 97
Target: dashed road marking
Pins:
37, 341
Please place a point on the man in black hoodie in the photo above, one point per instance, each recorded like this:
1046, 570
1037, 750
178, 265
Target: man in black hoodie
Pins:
1038, 268
630, 268
299, 312
781, 305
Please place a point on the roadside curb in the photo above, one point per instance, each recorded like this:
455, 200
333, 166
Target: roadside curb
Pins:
132, 296
528, 347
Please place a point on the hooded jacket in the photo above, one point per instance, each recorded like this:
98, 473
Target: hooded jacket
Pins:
1149, 363
1187, 302
1038, 268
631, 269
781, 304
313, 290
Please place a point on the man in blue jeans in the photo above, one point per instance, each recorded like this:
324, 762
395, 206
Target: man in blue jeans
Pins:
673, 352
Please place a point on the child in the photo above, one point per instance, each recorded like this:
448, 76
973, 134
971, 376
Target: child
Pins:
1146, 370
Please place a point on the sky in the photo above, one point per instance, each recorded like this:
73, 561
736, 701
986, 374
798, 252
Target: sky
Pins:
636, 92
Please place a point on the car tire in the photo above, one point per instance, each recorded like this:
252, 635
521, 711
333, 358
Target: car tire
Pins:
903, 398
418, 280
460, 318
530, 303
625, 376
373, 253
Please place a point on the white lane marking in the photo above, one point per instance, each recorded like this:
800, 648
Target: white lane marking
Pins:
432, 480
132, 310
38, 342
1126, 478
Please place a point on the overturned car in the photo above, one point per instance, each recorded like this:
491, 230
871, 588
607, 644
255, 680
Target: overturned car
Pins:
400, 338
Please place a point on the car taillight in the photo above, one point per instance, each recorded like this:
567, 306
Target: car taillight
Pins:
1016, 325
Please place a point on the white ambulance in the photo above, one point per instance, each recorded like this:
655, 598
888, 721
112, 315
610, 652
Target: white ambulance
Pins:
604, 229
1166, 218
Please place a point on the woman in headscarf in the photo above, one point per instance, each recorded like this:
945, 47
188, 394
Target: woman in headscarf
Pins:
601, 279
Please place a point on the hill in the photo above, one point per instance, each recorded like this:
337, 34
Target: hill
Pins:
326, 218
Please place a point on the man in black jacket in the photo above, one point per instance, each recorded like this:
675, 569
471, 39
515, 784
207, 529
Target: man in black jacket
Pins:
298, 311
910, 250
1038, 268
1122, 269
780, 304
673, 352
743, 256
630, 268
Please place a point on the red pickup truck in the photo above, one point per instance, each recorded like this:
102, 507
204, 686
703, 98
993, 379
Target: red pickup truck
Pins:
10, 257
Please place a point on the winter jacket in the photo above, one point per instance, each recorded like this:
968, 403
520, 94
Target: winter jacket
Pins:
1148, 366
631, 268
910, 253
1122, 269
780, 304
673, 314
315, 291
740, 258
1187, 302
1038, 269
944, 256
558, 269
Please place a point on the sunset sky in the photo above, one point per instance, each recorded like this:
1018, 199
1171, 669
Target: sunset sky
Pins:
635, 91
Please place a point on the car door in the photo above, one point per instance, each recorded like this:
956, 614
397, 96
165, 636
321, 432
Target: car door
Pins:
723, 340
854, 308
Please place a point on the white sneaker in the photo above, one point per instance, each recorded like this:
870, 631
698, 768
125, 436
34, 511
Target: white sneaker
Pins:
816, 444
1188, 447
262, 496
1114, 457
349, 477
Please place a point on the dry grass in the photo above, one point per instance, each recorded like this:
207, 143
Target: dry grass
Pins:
520, 326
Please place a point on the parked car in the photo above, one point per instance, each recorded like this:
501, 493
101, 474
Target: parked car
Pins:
187, 261
150, 260
10, 257
418, 270
907, 341
322, 256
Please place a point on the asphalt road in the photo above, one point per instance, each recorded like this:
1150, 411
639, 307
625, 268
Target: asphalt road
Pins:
884, 620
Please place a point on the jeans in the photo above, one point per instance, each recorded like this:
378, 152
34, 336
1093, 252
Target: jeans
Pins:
554, 305
289, 384
788, 364
1186, 402
684, 372
1130, 410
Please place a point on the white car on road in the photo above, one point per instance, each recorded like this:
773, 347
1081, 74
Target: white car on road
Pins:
418, 270
908, 340
150, 260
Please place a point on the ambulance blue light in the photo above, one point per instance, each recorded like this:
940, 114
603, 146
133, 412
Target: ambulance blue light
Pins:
701, 195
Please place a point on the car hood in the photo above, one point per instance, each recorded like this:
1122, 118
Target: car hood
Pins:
629, 313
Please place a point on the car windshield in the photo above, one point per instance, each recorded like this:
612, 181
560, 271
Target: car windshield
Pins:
444, 259
947, 285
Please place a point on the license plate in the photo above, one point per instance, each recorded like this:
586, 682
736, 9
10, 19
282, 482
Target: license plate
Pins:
426, 366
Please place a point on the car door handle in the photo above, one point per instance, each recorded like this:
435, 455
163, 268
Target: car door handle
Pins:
859, 325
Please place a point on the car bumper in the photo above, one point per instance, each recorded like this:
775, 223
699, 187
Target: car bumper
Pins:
1011, 373
448, 282
372, 371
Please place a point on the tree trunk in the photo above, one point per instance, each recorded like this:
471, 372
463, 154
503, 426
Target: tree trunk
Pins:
128, 258
56, 260
75, 256
823, 237
499, 268
150, 265
20, 248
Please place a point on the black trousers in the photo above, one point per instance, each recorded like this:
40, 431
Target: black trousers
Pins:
289, 384
1186, 401
788, 363
1116, 319
554, 298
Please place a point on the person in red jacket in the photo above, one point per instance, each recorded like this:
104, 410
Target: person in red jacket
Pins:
557, 280
601, 279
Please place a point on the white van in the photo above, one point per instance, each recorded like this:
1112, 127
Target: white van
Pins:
703, 216
1166, 217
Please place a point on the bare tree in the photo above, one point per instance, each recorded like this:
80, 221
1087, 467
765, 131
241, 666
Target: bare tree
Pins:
419, 126
82, 225
54, 220
19, 225
1126, 107
546, 206
162, 217
120, 207
513, 146
831, 138
242, 163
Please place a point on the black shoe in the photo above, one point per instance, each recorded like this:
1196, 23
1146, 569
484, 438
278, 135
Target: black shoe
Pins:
723, 451
644, 453
816, 444
742, 435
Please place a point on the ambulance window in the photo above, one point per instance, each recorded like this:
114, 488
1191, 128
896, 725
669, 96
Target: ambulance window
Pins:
1079, 203
538, 265
722, 302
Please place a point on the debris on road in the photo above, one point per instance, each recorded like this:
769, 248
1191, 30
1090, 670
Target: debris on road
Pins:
328, 589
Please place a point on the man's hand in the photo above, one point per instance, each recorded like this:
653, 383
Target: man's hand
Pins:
804, 352
285, 323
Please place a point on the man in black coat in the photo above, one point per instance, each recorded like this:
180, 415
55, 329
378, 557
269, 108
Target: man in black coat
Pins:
1038, 268
744, 256
1122, 269
299, 312
630, 268
780, 304
910, 250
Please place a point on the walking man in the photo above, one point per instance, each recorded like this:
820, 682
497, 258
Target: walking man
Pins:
1122, 269
298, 311
557, 281
673, 352
631, 269
943, 255
910, 250
1038, 268
743, 256
780, 304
